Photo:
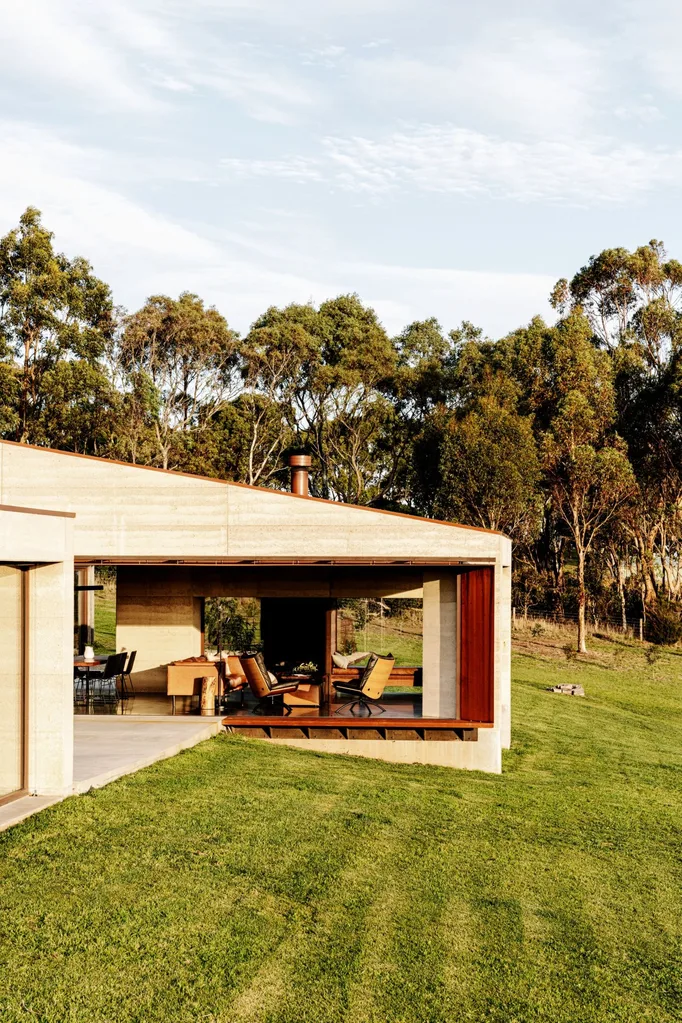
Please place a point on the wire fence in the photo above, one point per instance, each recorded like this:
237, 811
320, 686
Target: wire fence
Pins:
595, 623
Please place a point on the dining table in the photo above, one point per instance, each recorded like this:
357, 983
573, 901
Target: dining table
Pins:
80, 662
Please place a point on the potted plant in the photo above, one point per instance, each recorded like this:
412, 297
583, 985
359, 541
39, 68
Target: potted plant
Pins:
306, 668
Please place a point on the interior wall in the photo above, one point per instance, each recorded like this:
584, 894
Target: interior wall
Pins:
161, 626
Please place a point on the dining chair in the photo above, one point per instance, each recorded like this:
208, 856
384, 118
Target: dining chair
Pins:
127, 686
104, 684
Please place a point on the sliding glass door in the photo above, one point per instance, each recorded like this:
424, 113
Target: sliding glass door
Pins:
12, 678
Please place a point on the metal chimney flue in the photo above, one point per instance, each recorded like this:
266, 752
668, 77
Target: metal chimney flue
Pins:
299, 464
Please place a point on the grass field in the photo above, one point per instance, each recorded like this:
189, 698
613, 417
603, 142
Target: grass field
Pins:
105, 621
398, 636
241, 882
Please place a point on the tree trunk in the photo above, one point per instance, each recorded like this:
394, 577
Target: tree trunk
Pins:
582, 646
646, 560
621, 594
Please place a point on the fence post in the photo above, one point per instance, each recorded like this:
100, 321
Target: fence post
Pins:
641, 630
513, 616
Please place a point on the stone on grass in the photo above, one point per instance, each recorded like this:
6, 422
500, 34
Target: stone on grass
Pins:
567, 689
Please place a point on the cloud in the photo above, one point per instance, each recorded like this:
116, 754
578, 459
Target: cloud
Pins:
644, 112
451, 160
295, 12
86, 214
266, 96
499, 302
277, 259
137, 250
133, 56
48, 40
650, 39
518, 74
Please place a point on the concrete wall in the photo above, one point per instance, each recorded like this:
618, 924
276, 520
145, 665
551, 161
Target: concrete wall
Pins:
483, 755
503, 643
126, 510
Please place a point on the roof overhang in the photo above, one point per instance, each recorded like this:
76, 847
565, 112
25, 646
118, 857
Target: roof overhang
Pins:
303, 562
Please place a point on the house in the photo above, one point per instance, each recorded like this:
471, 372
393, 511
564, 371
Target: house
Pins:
178, 539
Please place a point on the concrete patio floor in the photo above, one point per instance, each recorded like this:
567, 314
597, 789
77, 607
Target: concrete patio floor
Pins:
108, 747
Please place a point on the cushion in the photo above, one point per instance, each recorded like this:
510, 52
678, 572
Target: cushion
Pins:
341, 661
260, 661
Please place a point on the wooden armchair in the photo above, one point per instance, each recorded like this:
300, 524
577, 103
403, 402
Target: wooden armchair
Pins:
369, 688
263, 683
232, 677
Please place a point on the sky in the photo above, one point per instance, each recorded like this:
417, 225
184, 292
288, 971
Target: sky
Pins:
438, 157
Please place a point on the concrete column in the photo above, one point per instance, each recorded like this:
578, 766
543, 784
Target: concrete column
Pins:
440, 645
50, 678
86, 608
161, 620
503, 645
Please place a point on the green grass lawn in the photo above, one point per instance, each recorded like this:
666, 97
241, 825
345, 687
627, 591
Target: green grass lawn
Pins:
105, 621
239, 881
405, 646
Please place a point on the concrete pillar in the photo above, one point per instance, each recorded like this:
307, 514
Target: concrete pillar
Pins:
162, 622
86, 608
440, 645
50, 678
503, 645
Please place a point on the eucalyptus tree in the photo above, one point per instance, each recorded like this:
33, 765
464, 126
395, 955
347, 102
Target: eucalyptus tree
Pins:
589, 477
633, 301
279, 354
349, 418
52, 309
489, 471
184, 358
324, 371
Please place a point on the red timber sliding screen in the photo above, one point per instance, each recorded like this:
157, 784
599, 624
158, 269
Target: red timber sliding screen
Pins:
476, 649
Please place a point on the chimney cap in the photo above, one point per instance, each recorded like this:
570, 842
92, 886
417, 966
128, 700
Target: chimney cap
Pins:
300, 461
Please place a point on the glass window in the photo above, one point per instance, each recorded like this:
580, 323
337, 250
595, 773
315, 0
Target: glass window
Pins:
11, 681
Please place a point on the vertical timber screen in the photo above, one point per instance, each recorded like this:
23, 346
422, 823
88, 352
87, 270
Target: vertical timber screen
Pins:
477, 664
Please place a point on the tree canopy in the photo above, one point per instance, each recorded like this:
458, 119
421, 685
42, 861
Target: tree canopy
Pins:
567, 436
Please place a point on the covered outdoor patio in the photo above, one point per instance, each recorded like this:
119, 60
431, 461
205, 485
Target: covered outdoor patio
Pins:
448, 697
